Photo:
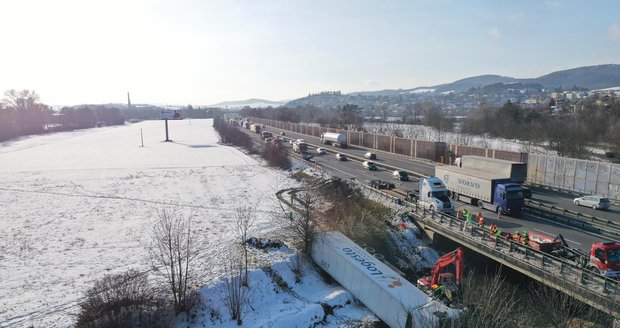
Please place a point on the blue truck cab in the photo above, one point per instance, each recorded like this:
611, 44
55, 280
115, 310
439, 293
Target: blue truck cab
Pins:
508, 198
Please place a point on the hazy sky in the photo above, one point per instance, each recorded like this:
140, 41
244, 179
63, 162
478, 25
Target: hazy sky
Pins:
201, 52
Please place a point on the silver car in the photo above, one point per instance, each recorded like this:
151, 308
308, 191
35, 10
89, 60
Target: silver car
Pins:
596, 202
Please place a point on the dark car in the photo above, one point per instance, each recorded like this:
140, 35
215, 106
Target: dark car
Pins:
400, 175
380, 184
341, 157
370, 166
370, 155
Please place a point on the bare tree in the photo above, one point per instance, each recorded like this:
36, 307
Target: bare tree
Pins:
491, 302
244, 220
21, 100
558, 310
236, 293
303, 220
174, 249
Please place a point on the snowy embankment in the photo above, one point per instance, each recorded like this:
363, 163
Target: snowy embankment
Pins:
79, 205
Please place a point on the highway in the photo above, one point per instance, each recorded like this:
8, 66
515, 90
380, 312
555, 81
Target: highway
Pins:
354, 169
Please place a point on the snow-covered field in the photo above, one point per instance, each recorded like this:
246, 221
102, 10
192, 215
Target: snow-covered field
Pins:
78, 205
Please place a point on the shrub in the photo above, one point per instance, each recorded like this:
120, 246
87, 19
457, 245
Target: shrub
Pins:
276, 156
123, 300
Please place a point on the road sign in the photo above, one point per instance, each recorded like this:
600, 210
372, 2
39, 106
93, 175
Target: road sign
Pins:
170, 115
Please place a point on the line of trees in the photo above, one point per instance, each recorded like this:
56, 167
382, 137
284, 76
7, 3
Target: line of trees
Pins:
344, 117
22, 113
595, 122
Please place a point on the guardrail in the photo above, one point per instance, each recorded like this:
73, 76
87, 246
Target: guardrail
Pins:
577, 219
614, 201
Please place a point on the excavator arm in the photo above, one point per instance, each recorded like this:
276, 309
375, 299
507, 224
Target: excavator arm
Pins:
455, 257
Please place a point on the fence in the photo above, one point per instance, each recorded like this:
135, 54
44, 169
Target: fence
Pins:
588, 177
431, 150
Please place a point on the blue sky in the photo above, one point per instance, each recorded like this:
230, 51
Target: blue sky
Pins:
201, 52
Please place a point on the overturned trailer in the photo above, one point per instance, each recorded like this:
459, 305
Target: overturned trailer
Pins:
396, 301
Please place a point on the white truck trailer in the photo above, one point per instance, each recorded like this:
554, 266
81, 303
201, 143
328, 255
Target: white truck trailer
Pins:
334, 139
396, 301
517, 172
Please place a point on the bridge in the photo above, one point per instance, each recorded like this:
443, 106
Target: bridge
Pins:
566, 276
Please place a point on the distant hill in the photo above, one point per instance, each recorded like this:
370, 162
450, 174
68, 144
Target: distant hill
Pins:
473, 82
493, 87
253, 102
589, 77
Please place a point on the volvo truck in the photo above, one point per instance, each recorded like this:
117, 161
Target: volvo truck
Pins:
482, 189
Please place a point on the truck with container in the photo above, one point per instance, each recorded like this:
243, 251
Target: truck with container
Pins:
434, 195
395, 300
255, 128
334, 139
515, 171
482, 189
300, 146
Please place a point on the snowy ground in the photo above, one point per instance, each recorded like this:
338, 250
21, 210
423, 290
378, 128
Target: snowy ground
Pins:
79, 205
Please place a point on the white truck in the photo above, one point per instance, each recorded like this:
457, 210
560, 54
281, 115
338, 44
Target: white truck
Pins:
334, 139
434, 194
396, 301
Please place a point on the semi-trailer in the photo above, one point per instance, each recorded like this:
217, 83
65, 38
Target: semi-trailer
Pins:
395, 300
334, 139
482, 189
